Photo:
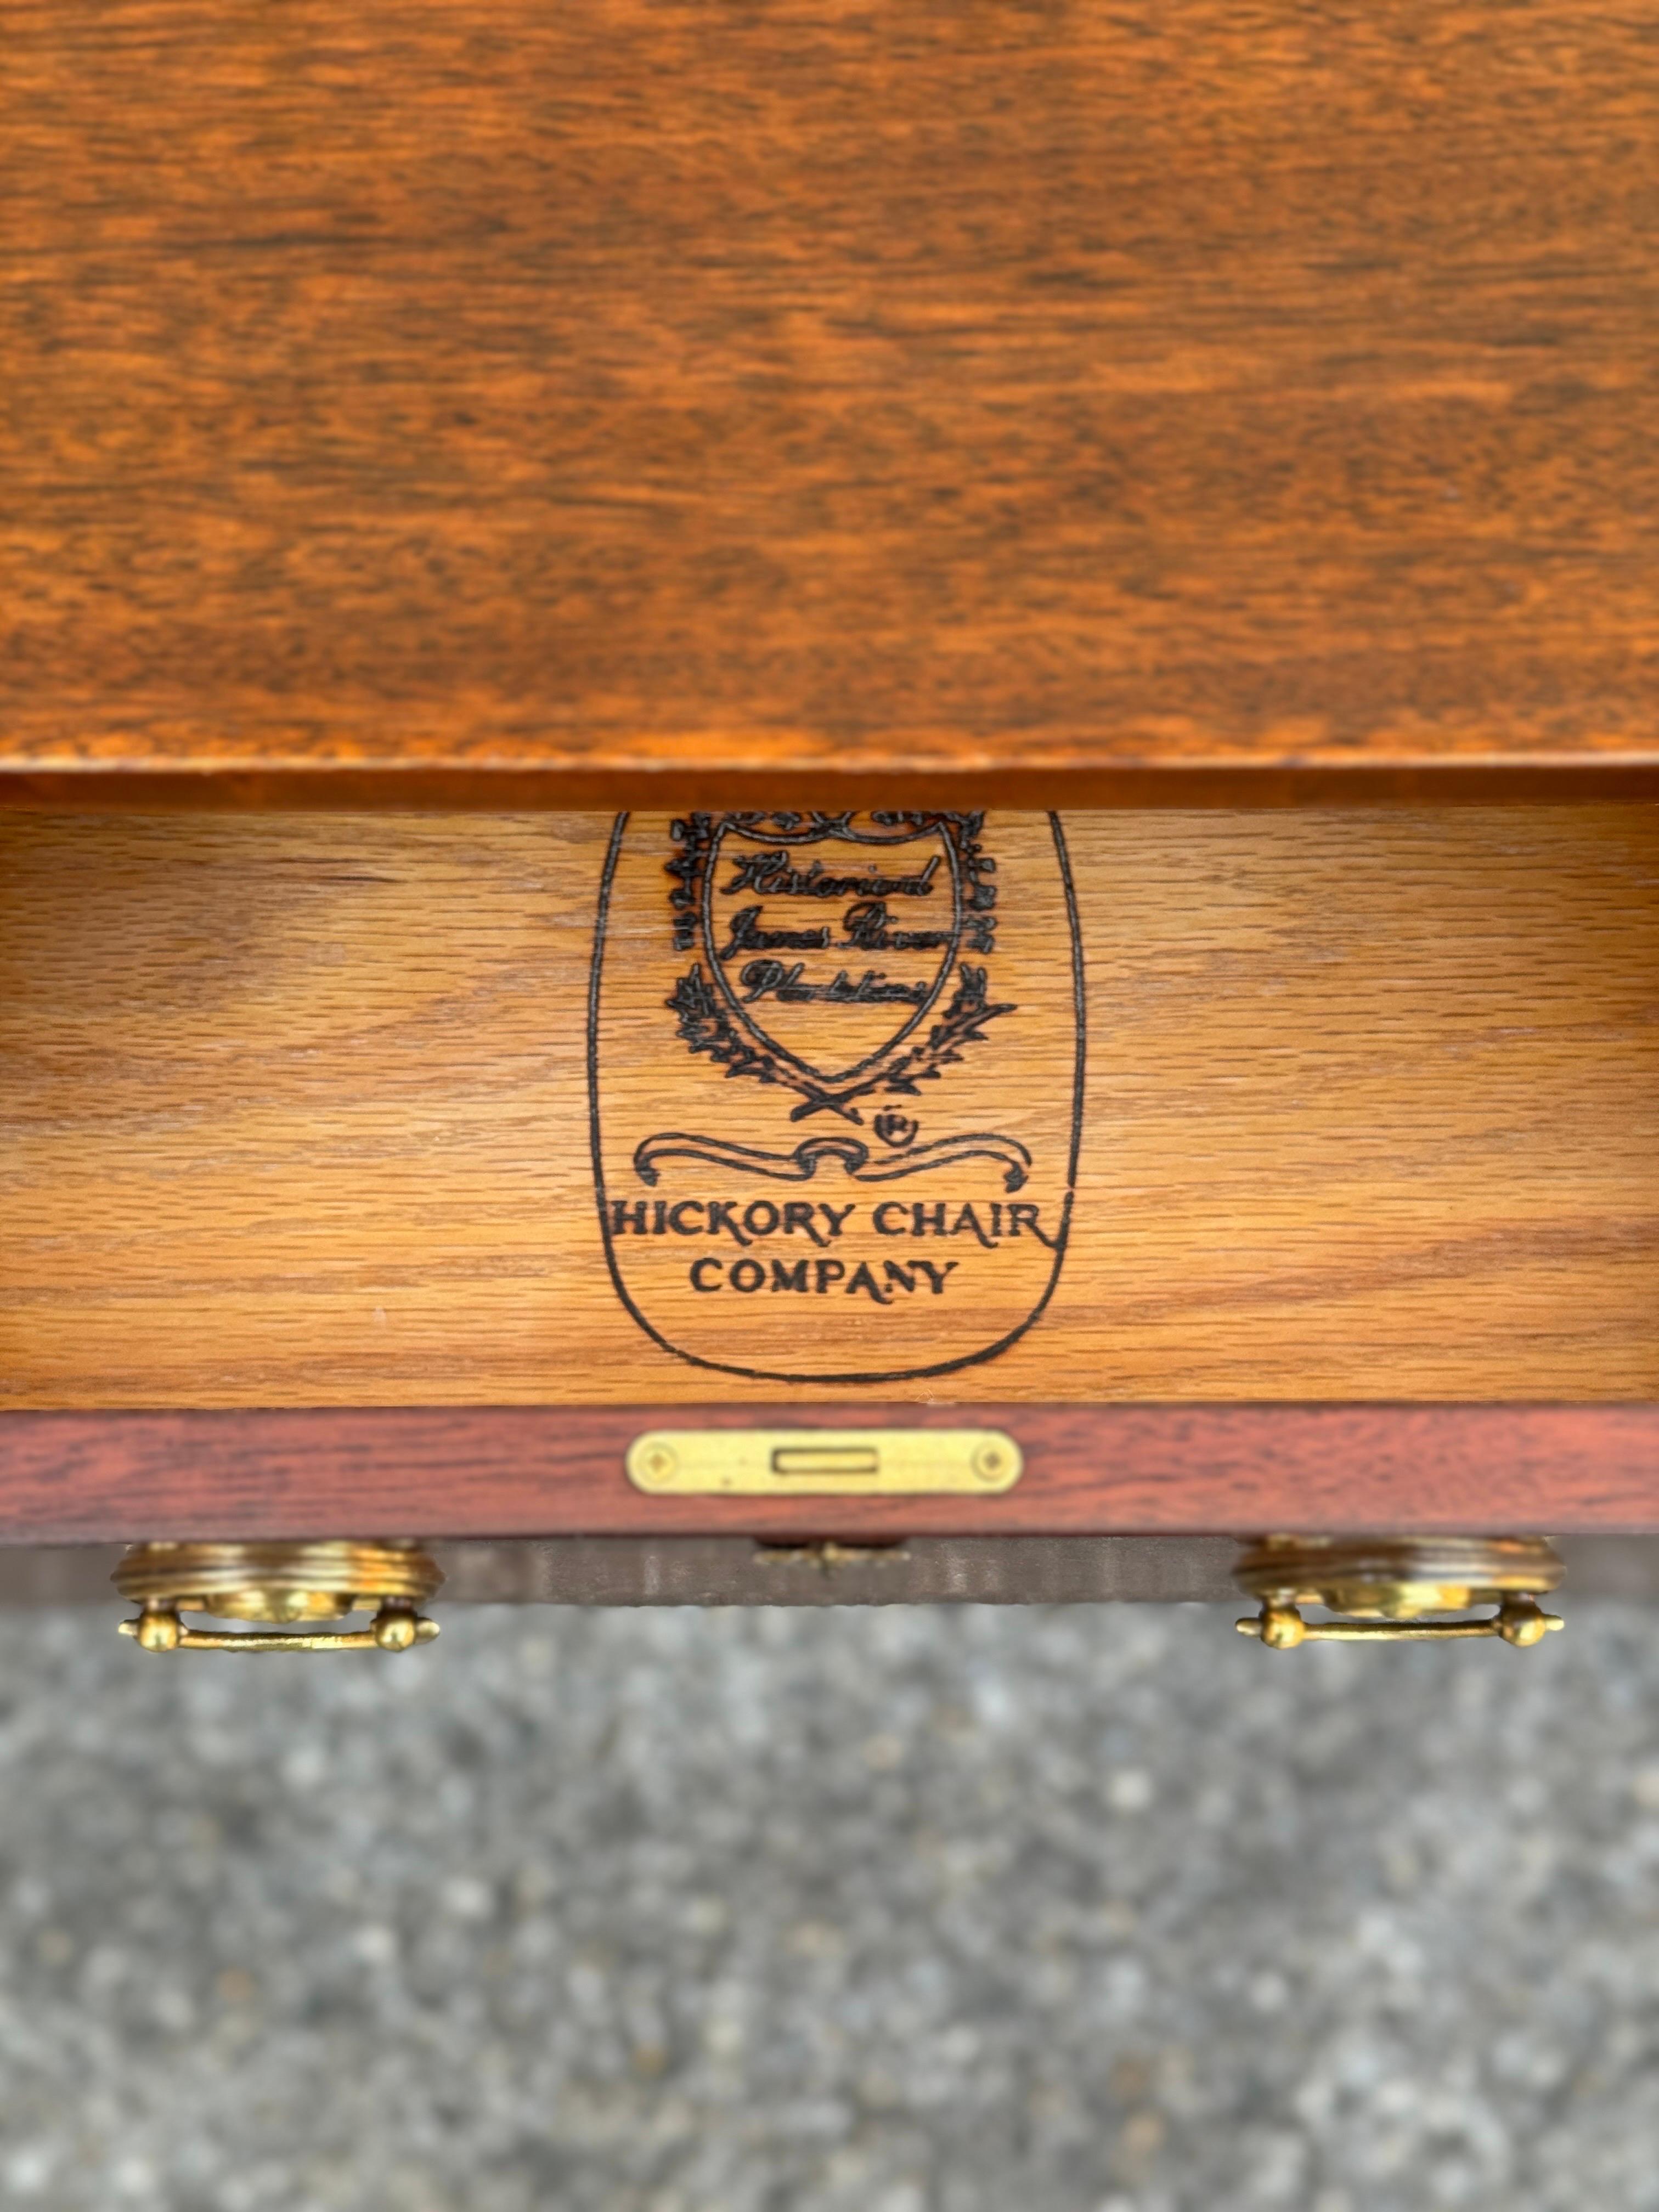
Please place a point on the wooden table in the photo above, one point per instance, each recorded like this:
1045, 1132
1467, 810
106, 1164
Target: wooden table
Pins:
1171, 494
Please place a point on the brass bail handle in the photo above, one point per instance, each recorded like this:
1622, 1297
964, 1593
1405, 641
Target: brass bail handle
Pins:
297, 1588
1399, 1589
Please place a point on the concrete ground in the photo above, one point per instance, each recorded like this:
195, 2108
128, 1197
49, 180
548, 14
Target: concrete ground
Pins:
901, 1911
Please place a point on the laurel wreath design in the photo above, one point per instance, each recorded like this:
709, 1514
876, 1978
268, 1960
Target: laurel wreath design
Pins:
706, 1027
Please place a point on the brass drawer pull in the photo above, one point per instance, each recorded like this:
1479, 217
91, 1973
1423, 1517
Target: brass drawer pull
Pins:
292, 1586
1394, 1589
1518, 1620
824, 1462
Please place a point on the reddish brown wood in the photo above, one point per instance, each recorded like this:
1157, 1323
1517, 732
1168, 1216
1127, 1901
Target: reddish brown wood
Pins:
1122, 1469
607, 394
556, 787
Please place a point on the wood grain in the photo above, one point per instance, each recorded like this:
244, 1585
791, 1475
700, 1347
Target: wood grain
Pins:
293, 1113
596, 393
1089, 1470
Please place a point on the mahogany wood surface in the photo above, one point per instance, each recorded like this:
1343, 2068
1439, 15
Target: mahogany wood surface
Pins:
563, 403
294, 1112
1090, 1469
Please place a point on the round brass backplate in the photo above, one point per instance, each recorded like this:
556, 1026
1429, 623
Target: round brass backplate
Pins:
295, 1587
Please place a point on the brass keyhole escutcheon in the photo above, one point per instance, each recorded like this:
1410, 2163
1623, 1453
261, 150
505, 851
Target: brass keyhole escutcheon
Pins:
1391, 1589
295, 1588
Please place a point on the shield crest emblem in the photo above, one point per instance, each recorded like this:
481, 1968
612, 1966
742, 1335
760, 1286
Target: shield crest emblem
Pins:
836, 1069
864, 917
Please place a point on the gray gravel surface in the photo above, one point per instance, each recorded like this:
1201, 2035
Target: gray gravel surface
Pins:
906, 1911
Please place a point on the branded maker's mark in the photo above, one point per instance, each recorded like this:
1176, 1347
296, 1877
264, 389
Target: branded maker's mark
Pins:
839, 972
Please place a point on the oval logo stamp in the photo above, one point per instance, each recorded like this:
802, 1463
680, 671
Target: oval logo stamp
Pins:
836, 1075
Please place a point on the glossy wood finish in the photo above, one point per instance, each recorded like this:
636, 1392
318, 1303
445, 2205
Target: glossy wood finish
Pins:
293, 1112
526, 403
394, 787
1090, 1469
